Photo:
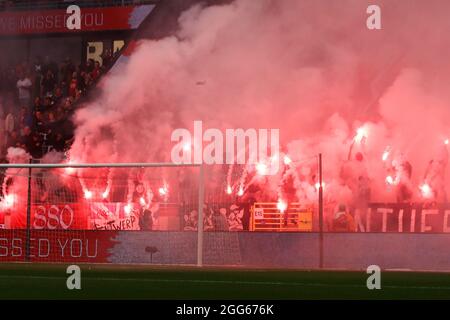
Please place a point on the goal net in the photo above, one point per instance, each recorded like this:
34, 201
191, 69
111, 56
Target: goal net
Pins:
89, 212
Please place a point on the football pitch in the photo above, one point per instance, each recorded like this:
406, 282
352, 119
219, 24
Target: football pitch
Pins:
48, 281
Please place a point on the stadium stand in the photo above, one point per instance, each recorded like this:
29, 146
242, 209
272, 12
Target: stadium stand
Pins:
38, 117
40, 95
39, 99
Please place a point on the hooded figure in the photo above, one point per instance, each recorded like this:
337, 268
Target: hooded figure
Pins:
343, 221
219, 220
139, 190
402, 173
146, 220
435, 175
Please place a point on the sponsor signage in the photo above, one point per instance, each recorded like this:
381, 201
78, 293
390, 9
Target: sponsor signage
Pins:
56, 245
415, 217
54, 21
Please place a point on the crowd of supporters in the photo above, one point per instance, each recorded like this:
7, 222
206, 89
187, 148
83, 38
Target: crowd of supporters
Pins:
38, 99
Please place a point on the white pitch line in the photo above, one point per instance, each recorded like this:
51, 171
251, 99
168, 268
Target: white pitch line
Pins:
300, 284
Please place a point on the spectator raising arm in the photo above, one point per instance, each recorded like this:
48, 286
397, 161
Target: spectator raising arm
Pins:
24, 86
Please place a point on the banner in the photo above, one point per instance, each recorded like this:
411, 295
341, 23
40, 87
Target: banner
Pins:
112, 216
415, 217
70, 216
54, 21
79, 216
379, 217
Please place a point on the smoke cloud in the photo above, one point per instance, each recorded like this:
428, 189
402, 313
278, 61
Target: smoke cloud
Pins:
309, 68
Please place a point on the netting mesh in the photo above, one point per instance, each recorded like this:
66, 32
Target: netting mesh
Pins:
163, 198
98, 198
89, 215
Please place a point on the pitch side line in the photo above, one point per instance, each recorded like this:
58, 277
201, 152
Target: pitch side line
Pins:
299, 284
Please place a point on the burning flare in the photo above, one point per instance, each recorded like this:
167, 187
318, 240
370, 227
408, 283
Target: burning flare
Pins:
87, 194
9, 200
386, 154
361, 133
163, 190
287, 161
390, 180
261, 168
128, 208
317, 185
426, 190
281, 205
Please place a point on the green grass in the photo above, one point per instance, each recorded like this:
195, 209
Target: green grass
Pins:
45, 281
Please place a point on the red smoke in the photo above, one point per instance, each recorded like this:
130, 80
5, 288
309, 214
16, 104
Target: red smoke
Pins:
310, 68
